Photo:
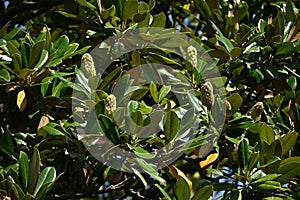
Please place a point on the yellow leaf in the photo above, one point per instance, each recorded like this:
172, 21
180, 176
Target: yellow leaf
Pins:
210, 159
177, 172
11, 88
21, 100
43, 122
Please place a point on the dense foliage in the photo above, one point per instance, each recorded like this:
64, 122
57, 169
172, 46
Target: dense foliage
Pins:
254, 44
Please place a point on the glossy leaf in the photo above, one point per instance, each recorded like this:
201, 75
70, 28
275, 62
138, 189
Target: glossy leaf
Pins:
154, 92
209, 159
21, 100
4, 74
11, 34
182, 190
266, 134
171, 125
203, 193
163, 192
34, 170
24, 170
268, 177
46, 176
108, 80
288, 141
269, 185
243, 153
36, 53
150, 170
159, 20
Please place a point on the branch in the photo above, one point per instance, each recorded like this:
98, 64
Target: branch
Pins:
25, 11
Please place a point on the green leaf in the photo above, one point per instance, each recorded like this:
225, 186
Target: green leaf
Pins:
163, 192
220, 37
11, 34
266, 134
135, 122
182, 189
27, 197
171, 125
235, 52
68, 15
269, 185
235, 101
34, 170
274, 198
7, 144
71, 50
136, 172
45, 84
108, 13
243, 153
110, 78
26, 53
48, 175
289, 12
108, 128
279, 24
203, 9
292, 81
50, 131
268, 177
36, 53
43, 190
4, 74
257, 75
17, 62
24, 170
163, 92
289, 168
139, 151
17, 191
12, 48
288, 141
159, 20
203, 193
43, 59
253, 160
153, 92
87, 6
61, 46
139, 93
271, 161
241, 12
284, 48
130, 8
150, 170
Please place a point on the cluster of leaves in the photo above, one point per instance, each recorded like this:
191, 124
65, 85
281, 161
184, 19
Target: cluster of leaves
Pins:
254, 45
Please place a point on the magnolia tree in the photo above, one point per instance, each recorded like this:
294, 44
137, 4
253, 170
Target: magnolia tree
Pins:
154, 99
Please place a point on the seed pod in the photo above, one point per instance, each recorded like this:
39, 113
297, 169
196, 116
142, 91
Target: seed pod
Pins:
256, 111
111, 104
87, 65
192, 55
207, 94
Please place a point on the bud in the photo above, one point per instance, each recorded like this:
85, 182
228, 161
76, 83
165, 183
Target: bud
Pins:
207, 94
111, 104
192, 55
87, 65
256, 111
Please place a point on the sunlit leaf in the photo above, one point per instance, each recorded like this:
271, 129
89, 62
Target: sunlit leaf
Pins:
209, 159
24, 169
21, 100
